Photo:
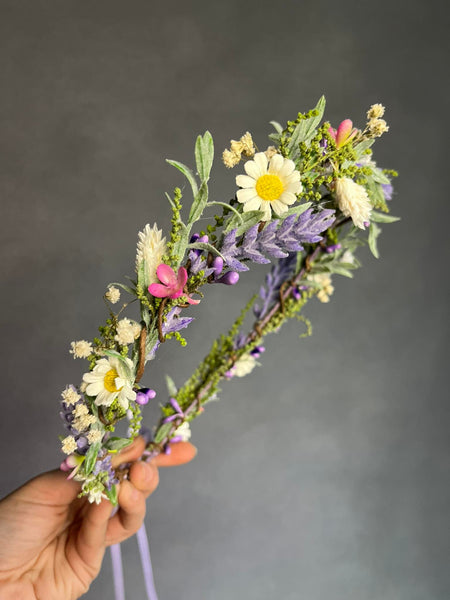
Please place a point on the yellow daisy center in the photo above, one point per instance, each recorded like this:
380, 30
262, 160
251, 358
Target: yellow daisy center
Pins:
109, 381
269, 187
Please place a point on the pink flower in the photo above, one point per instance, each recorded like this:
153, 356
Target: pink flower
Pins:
171, 285
345, 132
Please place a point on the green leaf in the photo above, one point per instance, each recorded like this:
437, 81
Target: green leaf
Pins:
91, 457
306, 129
374, 232
204, 155
249, 219
171, 387
187, 173
360, 149
339, 269
115, 444
128, 373
382, 217
162, 432
171, 202
112, 495
297, 210
205, 246
278, 128
225, 205
199, 204
379, 176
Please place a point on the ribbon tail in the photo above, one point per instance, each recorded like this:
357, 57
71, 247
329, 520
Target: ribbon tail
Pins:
117, 567
146, 562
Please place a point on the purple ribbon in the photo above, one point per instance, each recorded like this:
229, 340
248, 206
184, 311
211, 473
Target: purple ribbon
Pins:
117, 567
146, 562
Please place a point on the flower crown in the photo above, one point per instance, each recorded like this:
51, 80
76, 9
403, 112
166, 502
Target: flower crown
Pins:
304, 205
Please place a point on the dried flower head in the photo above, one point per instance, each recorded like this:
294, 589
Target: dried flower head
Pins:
230, 159
81, 349
127, 331
113, 294
68, 444
151, 248
375, 111
325, 287
271, 151
70, 395
353, 201
377, 127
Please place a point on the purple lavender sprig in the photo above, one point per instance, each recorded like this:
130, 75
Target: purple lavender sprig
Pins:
269, 293
172, 323
275, 240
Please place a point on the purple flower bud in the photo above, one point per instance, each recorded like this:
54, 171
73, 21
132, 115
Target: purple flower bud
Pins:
204, 239
176, 406
296, 293
230, 373
194, 237
141, 398
150, 394
170, 418
175, 439
167, 449
217, 265
230, 278
366, 223
332, 249
82, 443
257, 351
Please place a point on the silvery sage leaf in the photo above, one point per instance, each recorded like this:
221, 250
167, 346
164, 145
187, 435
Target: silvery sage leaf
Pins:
204, 155
187, 173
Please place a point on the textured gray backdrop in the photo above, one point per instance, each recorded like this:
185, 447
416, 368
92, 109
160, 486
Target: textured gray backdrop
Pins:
323, 475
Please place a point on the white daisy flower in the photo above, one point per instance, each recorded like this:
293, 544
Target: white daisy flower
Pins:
353, 201
110, 379
127, 331
150, 250
269, 185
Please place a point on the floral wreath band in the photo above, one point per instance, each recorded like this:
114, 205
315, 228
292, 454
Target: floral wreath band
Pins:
304, 205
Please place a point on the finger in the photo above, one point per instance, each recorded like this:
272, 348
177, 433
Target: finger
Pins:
90, 542
51, 488
130, 453
181, 453
130, 515
144, 476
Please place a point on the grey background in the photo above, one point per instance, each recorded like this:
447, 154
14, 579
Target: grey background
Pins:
325, 473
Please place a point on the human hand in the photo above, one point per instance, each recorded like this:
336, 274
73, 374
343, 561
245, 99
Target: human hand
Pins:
53, 542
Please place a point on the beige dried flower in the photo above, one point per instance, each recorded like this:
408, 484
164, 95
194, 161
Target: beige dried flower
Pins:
375, 111
69, 445
81, 349
377, 127
113, 294
271, 151
248, 146
230, 159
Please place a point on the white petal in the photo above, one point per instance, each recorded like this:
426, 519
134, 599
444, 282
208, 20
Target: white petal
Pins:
276, 163
288, 198
94, 388
253, 204
252, 169
244, 181
246, 194
295, 187
261, 160
265, 206
294, 176
287, 168
105, 398
278, 207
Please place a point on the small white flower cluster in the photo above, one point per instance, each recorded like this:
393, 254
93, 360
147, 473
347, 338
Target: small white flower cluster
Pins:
68, 444
81, 349
70, 396
326, 287
83, 419
127, 331
113, 294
